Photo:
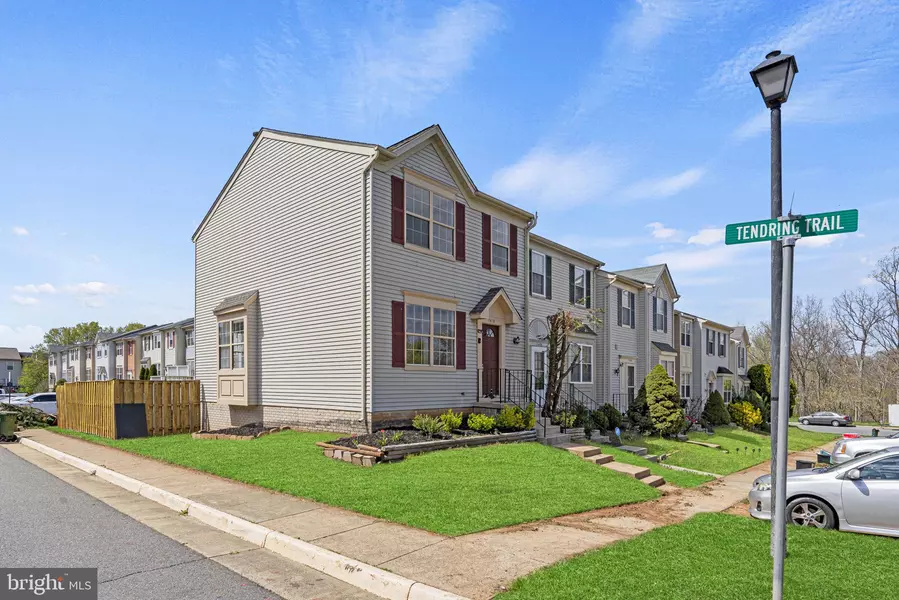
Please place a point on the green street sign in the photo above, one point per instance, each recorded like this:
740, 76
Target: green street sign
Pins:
829, 223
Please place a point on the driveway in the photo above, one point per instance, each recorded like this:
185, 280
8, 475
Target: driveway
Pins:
48, 523
860, 429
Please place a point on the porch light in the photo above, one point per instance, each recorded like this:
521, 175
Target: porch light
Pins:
774, 77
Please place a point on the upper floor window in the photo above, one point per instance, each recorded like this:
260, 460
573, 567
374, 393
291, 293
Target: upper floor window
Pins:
538, 274
231, 344
628, 301
741, 357
430, 220
722, 344
157, 341
147, 343
170, 340
660, 317
430, 336
500, 239
686, 328
189, 338
583, 370
580, 286
709, 342
118, 351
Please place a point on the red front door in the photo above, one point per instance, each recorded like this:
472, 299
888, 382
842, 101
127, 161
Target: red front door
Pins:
490, 358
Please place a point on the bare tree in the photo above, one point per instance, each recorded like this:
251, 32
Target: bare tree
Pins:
560, 362
760, 344
887, 275
858, 313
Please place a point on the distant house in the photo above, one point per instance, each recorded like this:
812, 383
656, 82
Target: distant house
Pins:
704, 364
10, 366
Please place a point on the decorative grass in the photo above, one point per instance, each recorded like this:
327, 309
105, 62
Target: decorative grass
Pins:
451, 492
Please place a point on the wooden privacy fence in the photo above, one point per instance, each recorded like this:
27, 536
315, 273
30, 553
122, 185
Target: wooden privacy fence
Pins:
89, 406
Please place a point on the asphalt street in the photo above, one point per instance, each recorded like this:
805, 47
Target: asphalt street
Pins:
861, 429
45, 522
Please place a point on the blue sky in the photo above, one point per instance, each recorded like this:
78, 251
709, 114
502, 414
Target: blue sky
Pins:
631, 127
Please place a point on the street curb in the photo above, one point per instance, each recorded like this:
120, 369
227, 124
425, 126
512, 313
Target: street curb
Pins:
367, 577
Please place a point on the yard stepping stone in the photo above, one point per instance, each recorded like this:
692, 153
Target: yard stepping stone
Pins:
582, 451
601, 459
654, 481
652, 458
706, 444
556, 440
632, 470
638, 450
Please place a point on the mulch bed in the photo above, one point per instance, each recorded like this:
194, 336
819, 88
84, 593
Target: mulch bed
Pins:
404, 436
244, 432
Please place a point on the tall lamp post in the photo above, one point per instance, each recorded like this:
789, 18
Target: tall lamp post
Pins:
774, 78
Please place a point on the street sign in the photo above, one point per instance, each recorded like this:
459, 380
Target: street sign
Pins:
829, 223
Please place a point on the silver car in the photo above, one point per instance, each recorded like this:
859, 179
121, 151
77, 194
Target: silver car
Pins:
860, 495
846, 450
826, 418
45, 402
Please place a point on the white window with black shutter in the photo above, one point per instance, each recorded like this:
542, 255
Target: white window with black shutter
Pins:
579, 286
686, 333
722, 344
659, 314
539, 274
709, 342
627, 315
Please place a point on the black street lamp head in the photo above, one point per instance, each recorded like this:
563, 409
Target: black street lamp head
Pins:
774, 77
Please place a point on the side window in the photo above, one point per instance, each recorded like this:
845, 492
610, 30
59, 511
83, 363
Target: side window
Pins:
885, 469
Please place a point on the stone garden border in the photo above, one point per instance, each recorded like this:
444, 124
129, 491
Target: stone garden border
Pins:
207, 435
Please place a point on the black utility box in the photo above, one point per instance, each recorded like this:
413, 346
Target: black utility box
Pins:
130, 421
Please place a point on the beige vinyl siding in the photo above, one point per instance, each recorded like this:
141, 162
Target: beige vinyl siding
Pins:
290, 227
624, 340
397, 269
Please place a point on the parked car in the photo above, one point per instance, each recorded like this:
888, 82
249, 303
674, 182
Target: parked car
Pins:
859, 495
846, 450
44, 402
826, 418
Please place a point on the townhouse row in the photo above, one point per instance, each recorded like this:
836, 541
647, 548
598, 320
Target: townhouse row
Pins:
348, 286
170, 348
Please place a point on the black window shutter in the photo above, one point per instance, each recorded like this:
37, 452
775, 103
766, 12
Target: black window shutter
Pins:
571, 283
655, 306
633, 310
549, 277
588, 289
531, 272
620, 307
665, 317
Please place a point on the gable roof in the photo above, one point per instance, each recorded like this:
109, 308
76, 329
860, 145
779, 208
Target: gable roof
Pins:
651, 275
485, 302
663, 347
565, 250
739, 333
9, 354
236, 301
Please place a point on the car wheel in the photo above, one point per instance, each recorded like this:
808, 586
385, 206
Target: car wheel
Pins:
810, 512
834, 423
805, 421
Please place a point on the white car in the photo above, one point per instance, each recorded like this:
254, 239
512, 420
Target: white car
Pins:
44, 402
846, 450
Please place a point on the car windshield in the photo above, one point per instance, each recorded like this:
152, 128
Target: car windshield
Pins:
850, 464
895, 436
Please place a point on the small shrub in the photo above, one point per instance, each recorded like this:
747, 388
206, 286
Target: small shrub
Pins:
397, 437
638, 412
565, 419
510, 418
451, 420
530, 419
600, 419
427, 424
715, 412
152, 372
745, 415
382, 438
482, 423
613, 415
664, 402
59, 384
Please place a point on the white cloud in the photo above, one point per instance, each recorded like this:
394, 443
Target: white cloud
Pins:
92, 288
31, 288
24, 300
707, 237
556, 180
404, 66
23, 337
660, 232
93, 301
19, 231
665, 186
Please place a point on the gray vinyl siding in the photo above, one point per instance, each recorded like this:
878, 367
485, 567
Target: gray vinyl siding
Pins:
601, 366
397, 269
661, 292
10, 375
541, 308
644, 328
624, 340
290, 227
709, 363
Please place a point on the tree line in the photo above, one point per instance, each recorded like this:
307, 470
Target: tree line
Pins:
845, 354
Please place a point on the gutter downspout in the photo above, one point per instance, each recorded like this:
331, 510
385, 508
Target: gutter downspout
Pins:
527, 291
366, 176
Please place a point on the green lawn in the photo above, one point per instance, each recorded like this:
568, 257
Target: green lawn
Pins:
739, 444
679, 478
450, 491
720, 557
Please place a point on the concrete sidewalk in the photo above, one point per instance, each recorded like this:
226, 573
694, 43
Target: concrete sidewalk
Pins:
476, 565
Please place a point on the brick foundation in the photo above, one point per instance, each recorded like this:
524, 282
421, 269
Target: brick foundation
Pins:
219, 416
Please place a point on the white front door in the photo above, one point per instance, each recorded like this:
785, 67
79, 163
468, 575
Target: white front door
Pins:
539, 368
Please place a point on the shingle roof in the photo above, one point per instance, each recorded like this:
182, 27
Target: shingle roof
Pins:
9, 354
484, 302
663, 347
644, 274
724, 371
738, 332
234, 301
584, 329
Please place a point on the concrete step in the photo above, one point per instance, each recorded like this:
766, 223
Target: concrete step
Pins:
638, 450
556, 440
601, 459
652, 457
582, 451
632, 470
654, 481
548, 431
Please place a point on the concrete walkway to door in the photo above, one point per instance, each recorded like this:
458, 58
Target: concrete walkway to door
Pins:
477, 565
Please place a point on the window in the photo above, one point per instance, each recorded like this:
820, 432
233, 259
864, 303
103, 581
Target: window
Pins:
728, 390
430, 329
189, 338
500, 240
627, 309
538, 274
709, 342
231, 344
631, 374
430, 220
686, 328
130, 348
170, 340
129, 375
190, 367
660, 317
157, 341
885, 469
741, 357
118, 372
580, 286
583, 370
669, 367
722, 344
686, 383
118, 351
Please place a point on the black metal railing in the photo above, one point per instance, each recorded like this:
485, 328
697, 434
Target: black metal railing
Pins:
622, 402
